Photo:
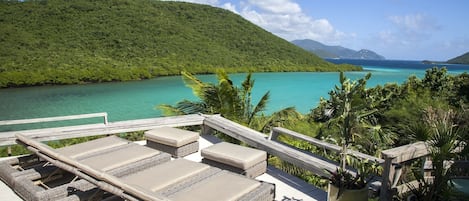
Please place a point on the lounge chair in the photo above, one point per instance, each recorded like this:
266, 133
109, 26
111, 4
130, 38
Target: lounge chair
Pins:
35, 179
175, 180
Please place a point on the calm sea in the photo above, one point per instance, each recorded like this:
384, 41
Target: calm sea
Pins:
137, 99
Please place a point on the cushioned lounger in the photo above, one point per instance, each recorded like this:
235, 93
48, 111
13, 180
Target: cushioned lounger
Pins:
177, 142
92, 147
236, 158
112, 154
174, 180
25, 165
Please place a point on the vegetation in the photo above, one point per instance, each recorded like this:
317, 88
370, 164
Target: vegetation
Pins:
444, 138
463, 59
228, 100
67, 42
353, 117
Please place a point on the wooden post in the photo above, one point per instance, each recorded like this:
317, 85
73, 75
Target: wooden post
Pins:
105, 118
273, 135
392, 157
387, 178
9, 150
206, 130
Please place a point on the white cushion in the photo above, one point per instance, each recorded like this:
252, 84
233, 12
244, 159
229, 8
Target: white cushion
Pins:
82, 149
160, 176
171, 136
224, 186
234, 155
119, 157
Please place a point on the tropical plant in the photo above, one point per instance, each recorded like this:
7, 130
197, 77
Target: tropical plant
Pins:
444, 139
343, 179
230, 101
224, 98
351, 113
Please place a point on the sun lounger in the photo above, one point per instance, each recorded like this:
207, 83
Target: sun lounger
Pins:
191, 180
236, 158
37, 180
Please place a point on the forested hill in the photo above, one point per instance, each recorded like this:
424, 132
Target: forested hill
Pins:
463, 59
80, 41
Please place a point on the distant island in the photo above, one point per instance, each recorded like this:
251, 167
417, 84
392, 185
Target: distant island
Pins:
336, 52
463, 59
432, 62
83, 41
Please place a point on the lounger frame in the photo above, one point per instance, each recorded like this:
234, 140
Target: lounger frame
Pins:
176, 152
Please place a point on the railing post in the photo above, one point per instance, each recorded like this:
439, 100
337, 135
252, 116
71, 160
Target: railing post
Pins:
273, 134
206, 130
105, 119
387, 178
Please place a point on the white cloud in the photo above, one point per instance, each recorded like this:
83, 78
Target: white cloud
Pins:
407, 33
415, 23
231, 7
283, 18
277, 6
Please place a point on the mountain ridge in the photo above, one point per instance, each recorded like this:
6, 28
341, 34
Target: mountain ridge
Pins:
462, 59
333, 52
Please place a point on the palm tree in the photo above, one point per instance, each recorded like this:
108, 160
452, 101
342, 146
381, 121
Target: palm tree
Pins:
224, 98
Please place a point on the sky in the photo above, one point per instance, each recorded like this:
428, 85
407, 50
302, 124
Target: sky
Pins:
396, 29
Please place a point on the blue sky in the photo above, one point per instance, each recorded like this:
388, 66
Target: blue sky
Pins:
396, 29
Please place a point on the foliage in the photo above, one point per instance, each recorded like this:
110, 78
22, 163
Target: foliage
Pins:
224, 98
68, 42
133, 136
350, 114
343, 179
351, 111
306, 175
15, 150
231, 101
444, 139
287, 118
437, 89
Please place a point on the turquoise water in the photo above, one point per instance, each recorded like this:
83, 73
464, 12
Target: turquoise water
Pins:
137, 99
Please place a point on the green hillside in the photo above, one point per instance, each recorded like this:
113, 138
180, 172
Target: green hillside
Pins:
463, 59
81, 41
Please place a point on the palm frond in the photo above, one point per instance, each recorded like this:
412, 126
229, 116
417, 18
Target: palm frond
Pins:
192, 82
169, 110
260, 106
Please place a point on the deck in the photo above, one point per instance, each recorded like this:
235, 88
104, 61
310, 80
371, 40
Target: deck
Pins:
287, 187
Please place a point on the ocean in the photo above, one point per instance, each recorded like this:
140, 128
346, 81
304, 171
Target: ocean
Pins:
138, 99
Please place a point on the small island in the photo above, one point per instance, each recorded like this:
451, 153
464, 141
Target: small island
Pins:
463, 59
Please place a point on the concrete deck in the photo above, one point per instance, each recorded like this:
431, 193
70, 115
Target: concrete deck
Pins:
288, 187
